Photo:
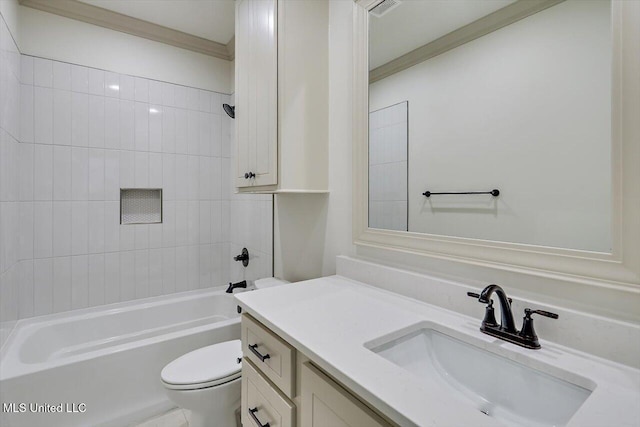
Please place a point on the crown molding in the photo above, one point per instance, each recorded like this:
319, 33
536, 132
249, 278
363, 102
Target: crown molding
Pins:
90, 14
485, 25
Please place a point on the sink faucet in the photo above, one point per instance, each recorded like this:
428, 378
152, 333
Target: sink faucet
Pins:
507, 329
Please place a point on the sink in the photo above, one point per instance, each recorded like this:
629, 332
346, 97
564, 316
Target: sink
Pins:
492, 383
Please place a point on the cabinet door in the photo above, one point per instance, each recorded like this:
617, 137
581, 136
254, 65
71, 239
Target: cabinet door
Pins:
326, 404
256, 92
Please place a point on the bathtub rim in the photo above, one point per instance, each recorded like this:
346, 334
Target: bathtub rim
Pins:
13, 367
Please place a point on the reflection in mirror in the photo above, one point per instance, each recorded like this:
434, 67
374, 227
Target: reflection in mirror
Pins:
388, 167
508, 95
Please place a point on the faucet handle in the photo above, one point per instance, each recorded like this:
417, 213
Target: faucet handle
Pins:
528, 312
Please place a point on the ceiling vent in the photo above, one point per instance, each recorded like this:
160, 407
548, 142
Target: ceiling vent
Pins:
384, 7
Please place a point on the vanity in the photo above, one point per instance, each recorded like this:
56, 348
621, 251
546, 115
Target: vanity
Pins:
335, 351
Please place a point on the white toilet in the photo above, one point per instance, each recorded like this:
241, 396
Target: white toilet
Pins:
207, 382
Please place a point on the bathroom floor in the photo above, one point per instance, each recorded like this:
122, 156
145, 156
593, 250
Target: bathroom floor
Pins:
174, 418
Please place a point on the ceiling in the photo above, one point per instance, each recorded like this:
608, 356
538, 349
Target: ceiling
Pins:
415, 23
210, 19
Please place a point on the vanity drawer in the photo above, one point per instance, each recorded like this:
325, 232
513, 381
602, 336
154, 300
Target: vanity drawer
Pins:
270, 354
262, 403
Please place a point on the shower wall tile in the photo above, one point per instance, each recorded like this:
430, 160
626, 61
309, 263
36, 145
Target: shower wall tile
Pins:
83, 135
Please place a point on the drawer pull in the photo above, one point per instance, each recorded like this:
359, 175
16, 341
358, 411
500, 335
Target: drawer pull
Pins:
257, 353
252, 412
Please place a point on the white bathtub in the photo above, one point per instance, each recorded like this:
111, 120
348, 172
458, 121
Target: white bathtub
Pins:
108, 358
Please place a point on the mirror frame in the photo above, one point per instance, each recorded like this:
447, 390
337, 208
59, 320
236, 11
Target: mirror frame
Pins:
619, 270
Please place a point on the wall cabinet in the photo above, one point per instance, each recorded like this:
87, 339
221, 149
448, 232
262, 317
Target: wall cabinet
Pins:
282, 387
281, 81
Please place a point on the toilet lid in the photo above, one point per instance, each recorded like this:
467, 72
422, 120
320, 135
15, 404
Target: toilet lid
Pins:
207, 366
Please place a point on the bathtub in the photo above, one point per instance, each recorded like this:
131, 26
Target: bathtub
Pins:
101, 366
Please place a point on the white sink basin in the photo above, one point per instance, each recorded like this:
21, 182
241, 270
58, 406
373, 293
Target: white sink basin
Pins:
497, 386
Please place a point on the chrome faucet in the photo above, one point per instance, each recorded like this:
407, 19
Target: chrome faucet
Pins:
506, 330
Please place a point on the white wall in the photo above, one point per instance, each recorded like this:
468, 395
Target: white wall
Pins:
525, 109
54, 37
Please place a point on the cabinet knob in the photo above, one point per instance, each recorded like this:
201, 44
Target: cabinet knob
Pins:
249, 175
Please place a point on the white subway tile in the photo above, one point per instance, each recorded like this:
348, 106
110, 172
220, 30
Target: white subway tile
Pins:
193, 101
79, 282
42, 286
155, 236
27, 113
193, 174
61, 284
155, 92
96, 227
193, 127
127, 237
127, 170
182, 237
61, 229
193, 222
142, 126
26, 154
142, 170
79, 173
180, 93
62, 117
142, 274
206, 264
111, 84
79, 79
168, 270
216, 135
168, 176
205, 186
43, 172
168, 130
204, 101
26, 291
127, 88
168, 95
155, 128
205, 223
80, 119
96, 81
112, 175
43, 115
25, 235
43, 229
127, 125
155, 272
112, 277
96, 174
80, 228
141, 89
193, 274
182, 268
61, 75
42, 72
141, 236
169, 224
181, 145
96, 121
96, 279
112, 226
155, 170
204, 134
127, 276
61, 173
111, 123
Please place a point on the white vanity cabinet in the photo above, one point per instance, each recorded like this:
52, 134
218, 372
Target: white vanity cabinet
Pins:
282, 387
281, 83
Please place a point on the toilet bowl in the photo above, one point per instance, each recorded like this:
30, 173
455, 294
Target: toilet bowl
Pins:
207, 382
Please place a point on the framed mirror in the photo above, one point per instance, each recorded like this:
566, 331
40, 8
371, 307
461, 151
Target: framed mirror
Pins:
501, 133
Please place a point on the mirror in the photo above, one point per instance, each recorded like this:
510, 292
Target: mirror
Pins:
472, 96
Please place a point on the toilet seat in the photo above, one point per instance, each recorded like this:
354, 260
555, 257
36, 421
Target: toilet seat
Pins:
206, 367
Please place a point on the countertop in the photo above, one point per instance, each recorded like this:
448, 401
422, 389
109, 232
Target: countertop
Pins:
330, 319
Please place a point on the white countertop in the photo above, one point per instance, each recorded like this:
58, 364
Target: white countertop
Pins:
331, 318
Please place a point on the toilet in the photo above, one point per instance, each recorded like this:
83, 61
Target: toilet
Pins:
207, 382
